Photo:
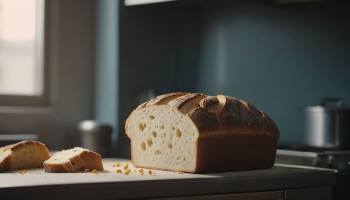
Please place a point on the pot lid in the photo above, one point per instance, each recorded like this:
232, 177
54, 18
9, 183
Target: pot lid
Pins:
329, 105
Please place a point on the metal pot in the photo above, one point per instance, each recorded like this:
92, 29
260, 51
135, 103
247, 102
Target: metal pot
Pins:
327, 125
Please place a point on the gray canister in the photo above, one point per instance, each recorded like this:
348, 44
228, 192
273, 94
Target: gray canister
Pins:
96, 137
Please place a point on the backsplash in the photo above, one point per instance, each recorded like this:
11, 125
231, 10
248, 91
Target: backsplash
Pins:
279, 58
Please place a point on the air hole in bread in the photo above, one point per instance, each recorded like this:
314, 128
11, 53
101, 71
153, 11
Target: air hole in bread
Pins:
151, 117
149, 142
170, 146
157, 152
143, 146
141, 127
162, 127
154, 134
173, 128
178, 133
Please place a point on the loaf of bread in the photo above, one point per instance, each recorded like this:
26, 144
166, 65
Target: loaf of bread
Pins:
72, 160
23, 155
197, 133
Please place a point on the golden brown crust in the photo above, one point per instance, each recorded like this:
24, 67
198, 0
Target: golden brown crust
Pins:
205, 121
211, 103
237, 152
233, 115
187, 102
165, 98
59, 168
91, 160
6, 164
238, 116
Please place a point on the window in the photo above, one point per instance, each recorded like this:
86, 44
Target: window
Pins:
64, 54
22, 74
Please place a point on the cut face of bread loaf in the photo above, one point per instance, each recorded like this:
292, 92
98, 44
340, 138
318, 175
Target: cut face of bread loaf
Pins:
199, 133
23, 155
72, 160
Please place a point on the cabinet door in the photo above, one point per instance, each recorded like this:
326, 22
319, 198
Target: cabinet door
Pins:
319, 193
271, 195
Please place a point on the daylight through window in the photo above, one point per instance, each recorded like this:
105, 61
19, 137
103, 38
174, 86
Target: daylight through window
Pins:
21, 47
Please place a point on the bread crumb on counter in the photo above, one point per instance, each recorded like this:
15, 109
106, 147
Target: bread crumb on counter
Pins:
86, 171
126, 166
141, 171
116, 165
179, 172
129, 169
94, 171
23, 171
127, 172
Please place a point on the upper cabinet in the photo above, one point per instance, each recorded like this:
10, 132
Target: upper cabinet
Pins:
140, 2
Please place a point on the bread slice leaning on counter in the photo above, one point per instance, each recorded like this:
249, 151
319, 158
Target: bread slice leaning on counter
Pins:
23, 155
72, 160
197, 133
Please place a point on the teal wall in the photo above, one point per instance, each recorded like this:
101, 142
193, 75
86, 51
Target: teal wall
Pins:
279, 58
106, 66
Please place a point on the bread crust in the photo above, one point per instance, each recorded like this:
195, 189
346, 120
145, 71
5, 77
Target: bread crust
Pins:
233, 115
6, 164
187, 102
165, 98
235, 152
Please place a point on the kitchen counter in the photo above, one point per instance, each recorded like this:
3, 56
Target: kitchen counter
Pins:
279, 182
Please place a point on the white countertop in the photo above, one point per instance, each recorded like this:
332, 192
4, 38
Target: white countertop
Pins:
111, 185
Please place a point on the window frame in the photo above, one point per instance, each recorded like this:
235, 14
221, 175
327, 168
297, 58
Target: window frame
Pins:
69, 60
42, 55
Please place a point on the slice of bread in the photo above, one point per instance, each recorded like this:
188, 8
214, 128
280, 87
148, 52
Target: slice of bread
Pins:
197, 133
72, 160
23, 155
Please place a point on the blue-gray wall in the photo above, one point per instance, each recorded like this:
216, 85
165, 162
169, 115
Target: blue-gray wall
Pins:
107, 66
279, 58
